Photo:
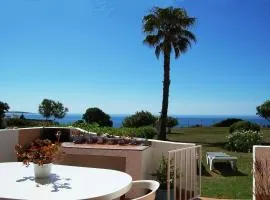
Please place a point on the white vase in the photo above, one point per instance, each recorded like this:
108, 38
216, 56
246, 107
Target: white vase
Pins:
42, 171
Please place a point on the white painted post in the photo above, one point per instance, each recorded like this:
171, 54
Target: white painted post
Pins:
175, 175
169, 177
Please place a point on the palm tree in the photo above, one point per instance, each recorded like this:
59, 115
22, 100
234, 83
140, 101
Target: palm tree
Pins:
167, 30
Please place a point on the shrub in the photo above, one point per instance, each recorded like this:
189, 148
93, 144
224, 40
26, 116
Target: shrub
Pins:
161, 173
96, 115
4, 107
142, 118
142, 132
244, 125
29, 122
227, 122
243, 141
80, 121
171, 122
3, 123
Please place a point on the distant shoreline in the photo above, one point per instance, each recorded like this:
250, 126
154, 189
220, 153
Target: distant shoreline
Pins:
184, 120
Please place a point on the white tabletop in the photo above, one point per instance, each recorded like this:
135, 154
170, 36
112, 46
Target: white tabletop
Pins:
66, 182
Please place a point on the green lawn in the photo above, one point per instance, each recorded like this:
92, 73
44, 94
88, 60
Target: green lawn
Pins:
222, 182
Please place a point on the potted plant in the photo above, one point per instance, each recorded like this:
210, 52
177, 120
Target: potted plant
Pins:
161, 176
42, 153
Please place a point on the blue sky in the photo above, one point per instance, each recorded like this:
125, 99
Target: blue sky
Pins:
88, 53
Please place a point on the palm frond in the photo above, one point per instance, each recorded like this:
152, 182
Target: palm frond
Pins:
167, 29
150, 23
153, 40
176, 51
158, 50
189, 35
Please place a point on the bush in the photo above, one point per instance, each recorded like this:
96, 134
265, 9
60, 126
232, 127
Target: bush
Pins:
142, 132
161, 173
80, 121
96, 115
244, 125
142, 118
227, 122
243, 141
3, 123
29, 122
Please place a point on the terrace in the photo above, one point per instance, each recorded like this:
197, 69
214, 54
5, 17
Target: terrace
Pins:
139, 161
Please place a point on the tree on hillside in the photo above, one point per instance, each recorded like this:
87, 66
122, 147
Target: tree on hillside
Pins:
96, 115
264, 110
49, 108
142, 118
168, 30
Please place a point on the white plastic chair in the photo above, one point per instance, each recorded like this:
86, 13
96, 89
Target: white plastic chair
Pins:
147, 185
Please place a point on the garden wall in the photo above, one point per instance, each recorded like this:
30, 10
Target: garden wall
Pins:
160, 148
8, 139
27, 135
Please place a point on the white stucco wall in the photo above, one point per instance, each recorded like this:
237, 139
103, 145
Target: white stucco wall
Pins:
160, 148
8, 139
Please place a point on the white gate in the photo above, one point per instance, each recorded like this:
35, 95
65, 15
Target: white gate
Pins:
184, 173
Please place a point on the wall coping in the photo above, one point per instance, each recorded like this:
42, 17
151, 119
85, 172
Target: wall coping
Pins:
79, 129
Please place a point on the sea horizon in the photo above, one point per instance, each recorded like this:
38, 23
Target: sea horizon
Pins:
183, 120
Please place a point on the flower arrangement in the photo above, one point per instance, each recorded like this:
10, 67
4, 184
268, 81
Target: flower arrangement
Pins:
39, 151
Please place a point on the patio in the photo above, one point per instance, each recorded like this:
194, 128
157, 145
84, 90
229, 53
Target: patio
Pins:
138, 161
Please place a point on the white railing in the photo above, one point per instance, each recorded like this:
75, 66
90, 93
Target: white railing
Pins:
184, 173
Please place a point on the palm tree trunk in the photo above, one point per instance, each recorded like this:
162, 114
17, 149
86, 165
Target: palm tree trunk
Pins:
165, 99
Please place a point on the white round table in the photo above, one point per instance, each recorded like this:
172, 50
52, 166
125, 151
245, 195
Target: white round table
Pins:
66, 182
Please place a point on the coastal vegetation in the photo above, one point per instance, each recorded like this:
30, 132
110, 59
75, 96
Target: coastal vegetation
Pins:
245, 126
264, 110
142, 132
96, 115
243, 140
227, 122
18, 122
141, 118
168, 30
4, 107
50, 108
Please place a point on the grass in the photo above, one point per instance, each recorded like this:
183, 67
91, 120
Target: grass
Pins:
221, 182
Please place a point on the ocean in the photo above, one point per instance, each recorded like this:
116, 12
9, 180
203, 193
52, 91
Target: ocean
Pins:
184, 120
